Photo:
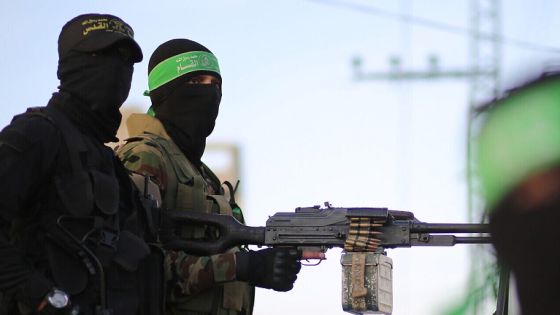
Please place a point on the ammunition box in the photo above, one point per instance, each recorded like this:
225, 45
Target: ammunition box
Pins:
367, 283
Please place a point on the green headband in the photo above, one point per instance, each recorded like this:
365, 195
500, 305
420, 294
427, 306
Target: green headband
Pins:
181, 64
520, 136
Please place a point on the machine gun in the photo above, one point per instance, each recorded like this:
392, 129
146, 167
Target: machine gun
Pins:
363, 233
316, 228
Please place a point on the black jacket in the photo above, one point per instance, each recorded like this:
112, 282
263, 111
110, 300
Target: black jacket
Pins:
68, 217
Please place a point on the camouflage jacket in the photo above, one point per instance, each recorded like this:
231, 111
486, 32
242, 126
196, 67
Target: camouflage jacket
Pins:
194, 284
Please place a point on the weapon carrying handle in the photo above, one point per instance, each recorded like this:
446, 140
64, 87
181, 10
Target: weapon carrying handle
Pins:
232, 233
402, 215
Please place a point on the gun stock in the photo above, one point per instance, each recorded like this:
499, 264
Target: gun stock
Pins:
231, 233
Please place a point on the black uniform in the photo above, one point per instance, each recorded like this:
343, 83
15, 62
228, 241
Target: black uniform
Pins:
44, 196
70, 218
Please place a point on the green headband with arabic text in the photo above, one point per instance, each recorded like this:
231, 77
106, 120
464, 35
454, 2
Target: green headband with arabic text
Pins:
181, 64
520, 137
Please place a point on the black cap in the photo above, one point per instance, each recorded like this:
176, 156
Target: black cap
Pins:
94, 32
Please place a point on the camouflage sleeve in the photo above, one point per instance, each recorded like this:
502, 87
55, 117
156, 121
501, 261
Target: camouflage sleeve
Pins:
194, 274
144, 159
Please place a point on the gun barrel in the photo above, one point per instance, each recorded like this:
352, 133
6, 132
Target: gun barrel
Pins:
420, 227
473, 240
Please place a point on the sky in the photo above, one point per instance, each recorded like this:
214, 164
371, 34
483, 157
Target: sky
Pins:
307, 131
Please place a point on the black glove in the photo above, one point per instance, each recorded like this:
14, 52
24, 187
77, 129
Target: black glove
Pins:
271, 268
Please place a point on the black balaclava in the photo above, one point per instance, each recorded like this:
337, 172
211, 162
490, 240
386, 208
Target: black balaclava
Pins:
96, 56
99, 84
528, 244
188, 112
525, 234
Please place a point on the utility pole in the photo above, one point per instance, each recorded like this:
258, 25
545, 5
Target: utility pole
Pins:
485, 55
485, 58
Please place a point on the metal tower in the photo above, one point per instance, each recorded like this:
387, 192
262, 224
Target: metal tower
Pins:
483, 77
482, 74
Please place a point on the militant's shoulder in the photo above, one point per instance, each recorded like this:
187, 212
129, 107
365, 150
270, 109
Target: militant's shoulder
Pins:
141, 147
142, 155
29, 129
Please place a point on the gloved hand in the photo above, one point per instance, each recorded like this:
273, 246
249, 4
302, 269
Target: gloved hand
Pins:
271, 268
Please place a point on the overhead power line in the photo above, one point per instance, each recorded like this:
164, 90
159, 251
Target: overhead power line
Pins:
449, 28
